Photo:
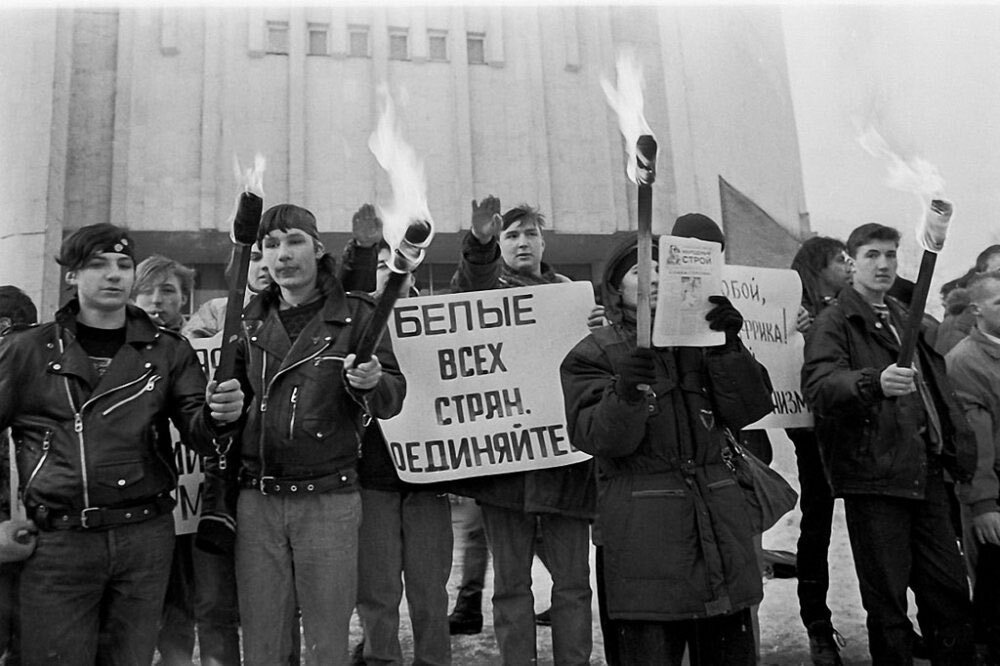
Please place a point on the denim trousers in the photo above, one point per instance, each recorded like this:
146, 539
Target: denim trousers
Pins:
511, 536
405, 536
899, 542
812, 550
467, 524
304, 549
95, 596
202, 593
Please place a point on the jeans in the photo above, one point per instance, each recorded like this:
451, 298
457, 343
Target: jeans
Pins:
898, 542
467, 522
816, 503
305, 549
725, 640
202, 592
405, 535
95, 596
511, 536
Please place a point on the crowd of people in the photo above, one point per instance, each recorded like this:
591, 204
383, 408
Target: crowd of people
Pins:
305, 521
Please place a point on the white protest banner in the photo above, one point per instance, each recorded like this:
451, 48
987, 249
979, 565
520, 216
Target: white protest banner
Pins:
768, 299
189, 468
483, 391
690, 271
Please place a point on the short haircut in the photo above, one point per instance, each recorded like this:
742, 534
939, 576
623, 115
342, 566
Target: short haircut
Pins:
985, 256
17, 306
866, 233
816, 253
92, 240
523, 213
977, 285
156, 269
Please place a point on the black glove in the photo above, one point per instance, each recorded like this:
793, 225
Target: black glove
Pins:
724, 317
639, 368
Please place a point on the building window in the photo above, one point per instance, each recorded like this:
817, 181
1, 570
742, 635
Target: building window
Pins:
277, 37
476, 45
438, 46
318, 39
399, 46
358, 41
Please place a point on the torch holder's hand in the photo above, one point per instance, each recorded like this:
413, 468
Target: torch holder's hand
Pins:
896, 381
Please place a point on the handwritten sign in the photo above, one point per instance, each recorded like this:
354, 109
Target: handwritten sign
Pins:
768, 299
482, 368
191, 476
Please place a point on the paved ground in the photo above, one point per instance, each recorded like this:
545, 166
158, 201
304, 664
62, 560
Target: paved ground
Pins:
783, 640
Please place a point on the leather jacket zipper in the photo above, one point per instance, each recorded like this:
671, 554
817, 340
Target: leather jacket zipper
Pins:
267, 392
148, 387
46, 445
295, 404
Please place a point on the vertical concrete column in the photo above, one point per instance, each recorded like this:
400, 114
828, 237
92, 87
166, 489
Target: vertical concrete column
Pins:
571, 37
684, 168
464, 158
255, 32
212, 86
338, 32
297, 106
419, 47
127, 166
494, 38
531, 47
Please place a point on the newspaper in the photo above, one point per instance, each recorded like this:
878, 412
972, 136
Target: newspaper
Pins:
690, 271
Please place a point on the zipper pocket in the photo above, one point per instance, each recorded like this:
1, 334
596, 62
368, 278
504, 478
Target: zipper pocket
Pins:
666, 492
721, 484
46, 445
295, 404
150, 385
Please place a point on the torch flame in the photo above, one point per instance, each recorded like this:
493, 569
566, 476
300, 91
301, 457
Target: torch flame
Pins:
917, 176
252, 178
626, 100
406, 175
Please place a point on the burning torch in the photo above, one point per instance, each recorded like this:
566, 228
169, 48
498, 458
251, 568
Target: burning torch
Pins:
405, 259
246, 221
931, 234
407, 214
640, 167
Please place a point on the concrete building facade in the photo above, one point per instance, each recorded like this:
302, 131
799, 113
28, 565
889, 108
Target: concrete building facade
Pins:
133, 116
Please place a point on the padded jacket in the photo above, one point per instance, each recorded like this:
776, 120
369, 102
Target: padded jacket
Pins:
873, 444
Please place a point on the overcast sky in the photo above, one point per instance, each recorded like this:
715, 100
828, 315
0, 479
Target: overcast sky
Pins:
928, 79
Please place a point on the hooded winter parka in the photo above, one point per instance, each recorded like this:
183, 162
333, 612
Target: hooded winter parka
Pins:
671, 519
88, 441
304, 422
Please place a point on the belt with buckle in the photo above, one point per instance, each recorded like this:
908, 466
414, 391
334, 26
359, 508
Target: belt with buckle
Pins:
97, 517
270, 485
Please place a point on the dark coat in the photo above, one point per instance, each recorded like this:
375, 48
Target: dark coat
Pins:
567, 490
85, 440
673, 524
871, 444
303, 420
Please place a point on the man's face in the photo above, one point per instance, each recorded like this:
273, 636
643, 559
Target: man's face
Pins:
522, 245
382, 273
630, 286
838, 271
258, 279
986, 306
104, 282
162, 300
875, 268
290, 258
